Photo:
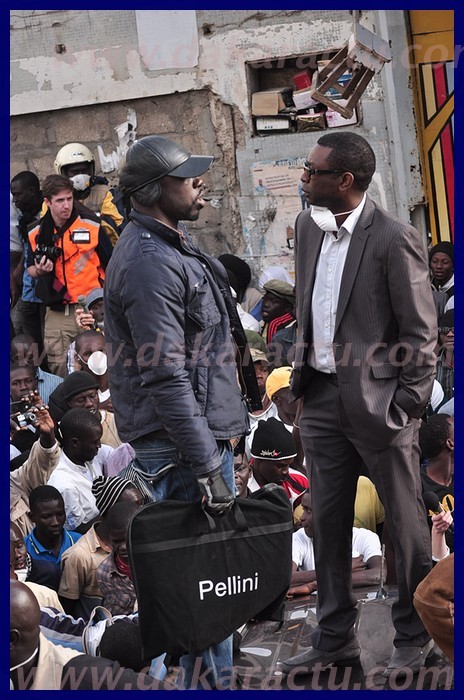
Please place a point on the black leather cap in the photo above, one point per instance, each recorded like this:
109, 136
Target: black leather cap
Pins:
153, 157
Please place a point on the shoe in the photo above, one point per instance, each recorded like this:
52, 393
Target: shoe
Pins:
312, 657
100, 619
409, 659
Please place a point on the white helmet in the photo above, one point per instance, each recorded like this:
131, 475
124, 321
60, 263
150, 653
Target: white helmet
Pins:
73, 153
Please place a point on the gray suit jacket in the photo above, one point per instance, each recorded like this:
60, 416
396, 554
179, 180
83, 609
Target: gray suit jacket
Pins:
386, 327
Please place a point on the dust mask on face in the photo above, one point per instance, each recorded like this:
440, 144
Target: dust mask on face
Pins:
324, 218
80, 182
98, 363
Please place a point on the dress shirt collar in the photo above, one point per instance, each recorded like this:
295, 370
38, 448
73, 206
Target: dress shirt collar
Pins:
350, 222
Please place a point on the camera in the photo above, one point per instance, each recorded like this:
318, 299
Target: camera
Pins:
51, 252
25, 415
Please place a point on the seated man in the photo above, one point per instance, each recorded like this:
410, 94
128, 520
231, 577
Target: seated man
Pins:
18, 555
242, 471
277, 308
79, 591
83, 458
36, 470
48, 540
436, 441
37, 664
113, 574
24, 351
91, 357
23, 387
261, 365
367, 555
80, 390
273, 450
368, 509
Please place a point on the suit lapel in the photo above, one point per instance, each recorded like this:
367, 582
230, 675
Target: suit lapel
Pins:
353, 259
313, 245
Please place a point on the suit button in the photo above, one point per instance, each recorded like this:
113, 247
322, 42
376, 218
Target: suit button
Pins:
145, 235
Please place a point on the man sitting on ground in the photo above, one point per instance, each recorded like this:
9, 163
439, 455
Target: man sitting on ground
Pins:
43, 459
367, 555
37, 664
48, 540
114, 575
83, 458
79, 591
273, 450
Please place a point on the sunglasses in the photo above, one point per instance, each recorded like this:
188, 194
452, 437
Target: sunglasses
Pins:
446, 329
315, 171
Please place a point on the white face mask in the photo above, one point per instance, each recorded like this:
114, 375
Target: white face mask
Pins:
98, 363
80, 182
324, 218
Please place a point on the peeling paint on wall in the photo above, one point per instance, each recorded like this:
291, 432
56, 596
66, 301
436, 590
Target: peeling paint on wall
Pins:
126, 133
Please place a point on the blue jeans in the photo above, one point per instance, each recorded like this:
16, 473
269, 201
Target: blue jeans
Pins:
171, 477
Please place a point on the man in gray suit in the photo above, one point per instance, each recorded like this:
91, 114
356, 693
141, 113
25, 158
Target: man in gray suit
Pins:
365, 365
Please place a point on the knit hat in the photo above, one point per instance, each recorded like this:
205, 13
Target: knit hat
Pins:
107, 490
272, 440
443, 247
447, 320
93, 296
280, 289
278, 379
238, 267
76, 382
258, 355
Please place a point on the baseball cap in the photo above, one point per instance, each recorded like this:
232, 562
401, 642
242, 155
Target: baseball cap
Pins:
93, 296
258, 355
278, 379
280, 289
153, 157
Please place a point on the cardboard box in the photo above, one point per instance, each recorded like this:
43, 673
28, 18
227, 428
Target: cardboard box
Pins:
265, 125
269, 102
335, 119
302, 80
302, 99
310, 122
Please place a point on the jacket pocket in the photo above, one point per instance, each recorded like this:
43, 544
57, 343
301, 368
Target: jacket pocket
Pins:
385, 371
202, 308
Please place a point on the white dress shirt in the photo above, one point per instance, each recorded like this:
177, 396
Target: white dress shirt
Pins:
326, 290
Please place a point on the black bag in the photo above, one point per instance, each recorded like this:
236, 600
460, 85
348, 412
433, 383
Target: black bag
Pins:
198, 578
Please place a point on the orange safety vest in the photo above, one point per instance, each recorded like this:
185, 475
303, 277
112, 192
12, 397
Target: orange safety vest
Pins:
79, 267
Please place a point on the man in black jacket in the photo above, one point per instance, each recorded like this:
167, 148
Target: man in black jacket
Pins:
169, 319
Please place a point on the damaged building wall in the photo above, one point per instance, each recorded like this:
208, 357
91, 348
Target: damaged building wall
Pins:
77, 74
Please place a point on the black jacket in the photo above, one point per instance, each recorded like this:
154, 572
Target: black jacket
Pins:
171, 355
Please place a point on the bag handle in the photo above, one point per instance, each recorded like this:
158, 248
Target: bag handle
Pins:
237, 514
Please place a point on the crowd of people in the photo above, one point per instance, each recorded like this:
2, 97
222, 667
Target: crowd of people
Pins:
143, 370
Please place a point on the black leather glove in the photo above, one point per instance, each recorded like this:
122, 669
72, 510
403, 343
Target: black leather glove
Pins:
217, 493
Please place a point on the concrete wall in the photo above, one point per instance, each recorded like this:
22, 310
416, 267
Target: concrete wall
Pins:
75, 75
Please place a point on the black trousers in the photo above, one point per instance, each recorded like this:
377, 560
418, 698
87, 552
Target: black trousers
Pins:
334, 454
